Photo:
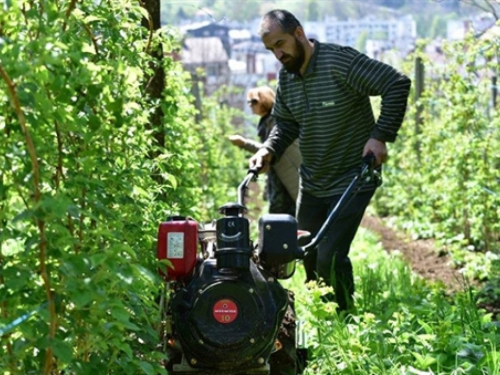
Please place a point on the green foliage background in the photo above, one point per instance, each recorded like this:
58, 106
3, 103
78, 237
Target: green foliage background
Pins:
81, 196
403, 324
430, 15
442, 179
84, 185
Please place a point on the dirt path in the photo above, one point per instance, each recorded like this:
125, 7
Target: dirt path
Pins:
421, 254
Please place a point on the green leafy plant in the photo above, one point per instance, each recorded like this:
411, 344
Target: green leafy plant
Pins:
403, 324
84, 184
442, 182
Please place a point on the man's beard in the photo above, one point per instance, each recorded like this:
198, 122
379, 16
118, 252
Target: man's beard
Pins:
296, 61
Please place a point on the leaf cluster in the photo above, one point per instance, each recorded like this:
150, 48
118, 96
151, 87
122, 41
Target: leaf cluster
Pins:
403, 324
442, 181
84, 183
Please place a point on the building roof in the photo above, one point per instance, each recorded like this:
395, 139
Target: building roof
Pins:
493, 33
240, 34
203, 51
184, 29
204, 25
250, 46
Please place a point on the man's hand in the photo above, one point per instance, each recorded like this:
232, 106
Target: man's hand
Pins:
261, 160
378, 149
237, 140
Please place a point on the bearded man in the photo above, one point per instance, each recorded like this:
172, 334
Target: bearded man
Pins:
323, 99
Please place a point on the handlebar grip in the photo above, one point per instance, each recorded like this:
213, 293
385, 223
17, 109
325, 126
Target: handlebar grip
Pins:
254, 171
369, 160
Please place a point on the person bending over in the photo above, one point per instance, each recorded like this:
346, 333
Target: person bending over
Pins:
323, 99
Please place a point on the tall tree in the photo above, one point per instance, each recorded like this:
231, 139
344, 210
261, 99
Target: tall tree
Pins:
156, 82
313, 12
488, 6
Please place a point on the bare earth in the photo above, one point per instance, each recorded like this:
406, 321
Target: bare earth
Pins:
420, 254
426, 261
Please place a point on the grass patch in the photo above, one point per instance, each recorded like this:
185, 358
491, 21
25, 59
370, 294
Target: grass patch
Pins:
403, 324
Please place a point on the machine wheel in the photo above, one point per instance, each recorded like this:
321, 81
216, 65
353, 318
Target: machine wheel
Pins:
288, 360
173, 358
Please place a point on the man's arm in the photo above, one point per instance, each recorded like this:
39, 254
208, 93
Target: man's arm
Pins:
374, 78
378, 149
279, 139
261, 160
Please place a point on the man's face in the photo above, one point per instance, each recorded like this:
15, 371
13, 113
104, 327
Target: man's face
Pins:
286, 48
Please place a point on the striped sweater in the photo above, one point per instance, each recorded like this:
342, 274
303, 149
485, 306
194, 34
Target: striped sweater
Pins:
329, 110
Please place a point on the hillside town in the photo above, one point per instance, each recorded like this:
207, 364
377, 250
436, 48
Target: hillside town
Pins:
231, 53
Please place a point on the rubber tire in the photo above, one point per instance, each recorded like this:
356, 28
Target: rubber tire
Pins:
288, 360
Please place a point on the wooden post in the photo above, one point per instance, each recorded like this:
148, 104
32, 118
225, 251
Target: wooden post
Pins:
419, 89
195, 78
156, 81
494, 91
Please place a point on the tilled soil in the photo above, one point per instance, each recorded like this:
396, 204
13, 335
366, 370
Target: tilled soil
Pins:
426, 261
420, 254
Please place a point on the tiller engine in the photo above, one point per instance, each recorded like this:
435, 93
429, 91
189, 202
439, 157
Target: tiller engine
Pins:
224, 310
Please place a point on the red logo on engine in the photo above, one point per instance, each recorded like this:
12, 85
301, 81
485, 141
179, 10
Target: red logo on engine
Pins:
225, 311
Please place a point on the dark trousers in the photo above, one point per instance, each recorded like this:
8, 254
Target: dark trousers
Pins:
330, 261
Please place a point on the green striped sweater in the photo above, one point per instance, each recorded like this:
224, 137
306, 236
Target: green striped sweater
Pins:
329, 110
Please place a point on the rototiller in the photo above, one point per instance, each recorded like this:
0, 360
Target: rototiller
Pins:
224, 309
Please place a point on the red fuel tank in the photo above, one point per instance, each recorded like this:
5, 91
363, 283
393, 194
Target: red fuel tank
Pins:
177, 242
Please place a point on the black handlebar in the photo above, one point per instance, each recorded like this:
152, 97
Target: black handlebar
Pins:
368, 173
369, 159
251, 175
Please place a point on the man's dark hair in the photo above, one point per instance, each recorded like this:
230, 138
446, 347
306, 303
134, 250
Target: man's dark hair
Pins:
282, 18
